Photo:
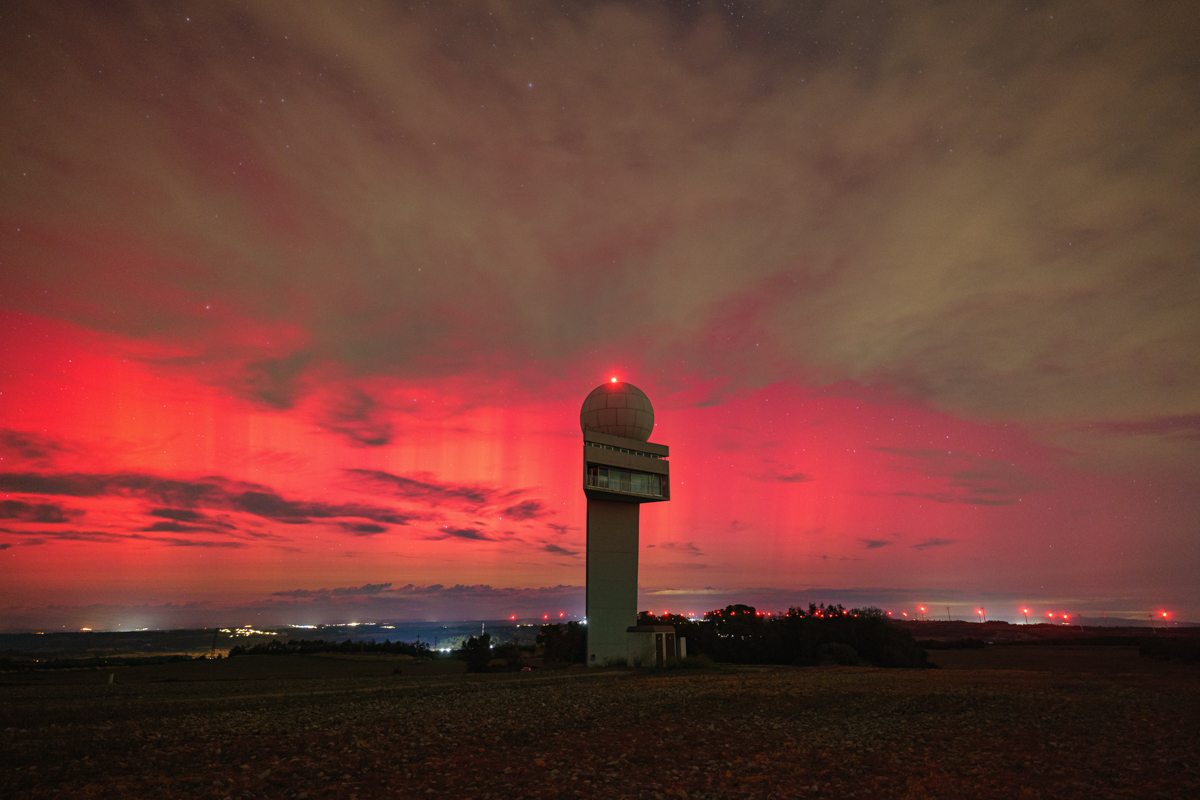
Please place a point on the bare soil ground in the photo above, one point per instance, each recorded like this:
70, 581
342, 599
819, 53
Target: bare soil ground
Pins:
1102, 725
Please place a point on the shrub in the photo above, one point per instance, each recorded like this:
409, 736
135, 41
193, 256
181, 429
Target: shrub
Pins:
837, 653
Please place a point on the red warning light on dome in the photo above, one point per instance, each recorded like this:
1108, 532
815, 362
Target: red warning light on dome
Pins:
614, 380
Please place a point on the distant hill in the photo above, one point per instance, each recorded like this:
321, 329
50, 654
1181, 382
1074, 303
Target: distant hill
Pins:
936, 630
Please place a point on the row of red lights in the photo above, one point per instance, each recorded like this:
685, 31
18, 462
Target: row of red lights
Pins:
562, 614
980, 612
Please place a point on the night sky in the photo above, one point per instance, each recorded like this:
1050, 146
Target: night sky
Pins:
298, 305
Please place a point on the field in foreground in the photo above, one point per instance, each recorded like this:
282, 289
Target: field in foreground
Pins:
1109, 726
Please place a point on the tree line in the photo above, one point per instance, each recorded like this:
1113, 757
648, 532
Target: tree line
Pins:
740, 634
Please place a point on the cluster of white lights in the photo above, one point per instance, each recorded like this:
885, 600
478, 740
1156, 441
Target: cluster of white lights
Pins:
244, 631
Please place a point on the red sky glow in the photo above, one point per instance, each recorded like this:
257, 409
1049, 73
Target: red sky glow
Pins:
298, 307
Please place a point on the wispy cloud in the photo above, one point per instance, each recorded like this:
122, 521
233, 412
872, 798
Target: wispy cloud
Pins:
682, 548
425, 489
358, 418
449, 532
1184, 426
210, 492
781, 474
933, 542
37, 512
363, 528
963, 477
526, 509
366, 590
874, 544
36, 448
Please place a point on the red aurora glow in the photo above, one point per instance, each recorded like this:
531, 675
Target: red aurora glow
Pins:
297, 309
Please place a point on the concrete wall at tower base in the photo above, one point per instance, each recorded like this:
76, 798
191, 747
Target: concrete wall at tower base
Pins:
612, 579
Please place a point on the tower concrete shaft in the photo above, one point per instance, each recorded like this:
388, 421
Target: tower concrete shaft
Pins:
619, 474
612, 578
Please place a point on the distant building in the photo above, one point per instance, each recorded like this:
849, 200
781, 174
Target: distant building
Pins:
621, 470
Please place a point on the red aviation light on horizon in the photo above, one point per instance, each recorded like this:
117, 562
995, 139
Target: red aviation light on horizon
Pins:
614, 380
514, 616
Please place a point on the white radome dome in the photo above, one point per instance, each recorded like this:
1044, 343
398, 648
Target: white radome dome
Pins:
618, 409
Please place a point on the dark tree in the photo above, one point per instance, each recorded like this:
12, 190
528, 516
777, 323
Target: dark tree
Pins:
563, 643
477, 652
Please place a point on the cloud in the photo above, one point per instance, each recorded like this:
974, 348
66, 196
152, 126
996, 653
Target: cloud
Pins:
425, 489
964, 477
44, 536
933, 542
177, 514
560, 529
203, 543
1175, 427
358, 418
37, 512
273, 381
363, 528
39, 448
471, 534
874, 544
526, 509
684, 548
174, 527
558, 550
777, 474
211, 492
366, 590
995, 252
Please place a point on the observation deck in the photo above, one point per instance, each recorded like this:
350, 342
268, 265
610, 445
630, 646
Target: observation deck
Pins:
625, 470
